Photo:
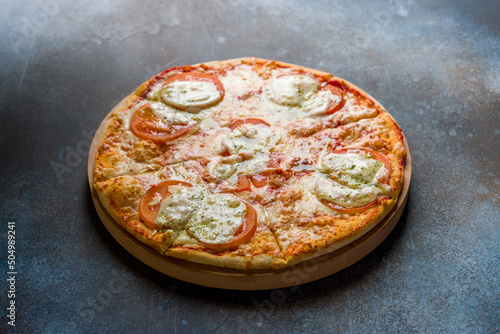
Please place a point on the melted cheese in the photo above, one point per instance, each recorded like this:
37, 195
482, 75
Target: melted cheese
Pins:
345, 196
169, 114
182, 171
241, 82
223, 169
249, 140
154, 92
317, 104
357, 179
211, 219
291, 90
308, 205
191, 96
218, 219
249, 146
297, 96
354, 113
296, 235
177, 209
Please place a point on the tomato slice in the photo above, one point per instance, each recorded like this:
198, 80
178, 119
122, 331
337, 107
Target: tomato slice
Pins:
148, 211
259, 180
240, 122
382, 158
243, 183
195, 76
244, 233
146, 125
374, 154
335, 106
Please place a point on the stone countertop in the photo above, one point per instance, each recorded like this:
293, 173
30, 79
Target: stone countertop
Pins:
435, 66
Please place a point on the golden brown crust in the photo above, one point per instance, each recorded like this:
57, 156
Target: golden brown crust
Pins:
120, 152
292, 227
261, 252
120, 196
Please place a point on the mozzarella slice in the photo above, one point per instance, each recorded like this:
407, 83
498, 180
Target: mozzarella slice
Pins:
299, 94
218, 219
319, 103
211, 219
291, 90
176, 210
352, 166
191, 96
169, 114
358, 179
345, 196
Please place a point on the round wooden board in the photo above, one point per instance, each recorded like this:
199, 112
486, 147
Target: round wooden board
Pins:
226, 278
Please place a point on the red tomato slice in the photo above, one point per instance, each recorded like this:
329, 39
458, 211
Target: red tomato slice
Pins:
240, 122
259, 180
146, 125
147, 211
335, 106
374, 154
195, 76
244, 233
382, 158
243, 183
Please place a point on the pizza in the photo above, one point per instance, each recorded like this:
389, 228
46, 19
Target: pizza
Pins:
248, 163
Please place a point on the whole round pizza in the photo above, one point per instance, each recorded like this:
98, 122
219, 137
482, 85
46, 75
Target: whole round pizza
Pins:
248, 163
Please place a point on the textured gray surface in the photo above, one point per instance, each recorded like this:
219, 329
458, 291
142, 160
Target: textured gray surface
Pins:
434, 65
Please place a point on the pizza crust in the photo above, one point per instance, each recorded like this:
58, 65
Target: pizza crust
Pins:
261, 252
126, 166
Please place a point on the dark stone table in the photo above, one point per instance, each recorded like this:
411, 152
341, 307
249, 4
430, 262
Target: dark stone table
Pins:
433, 64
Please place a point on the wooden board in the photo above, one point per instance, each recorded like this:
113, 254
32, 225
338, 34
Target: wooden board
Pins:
227, 278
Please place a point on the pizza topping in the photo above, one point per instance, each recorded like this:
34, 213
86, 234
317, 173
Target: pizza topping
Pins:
258, 180
291, 90
240, 122
150, 203
243, 183
248, 140
170, 115
337, 100
354, 167
354, 178
246, 149
244, 82
146, 125
301, 95
177, 209
192, 92
345, 196
319, 103
224, 168
223, 221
